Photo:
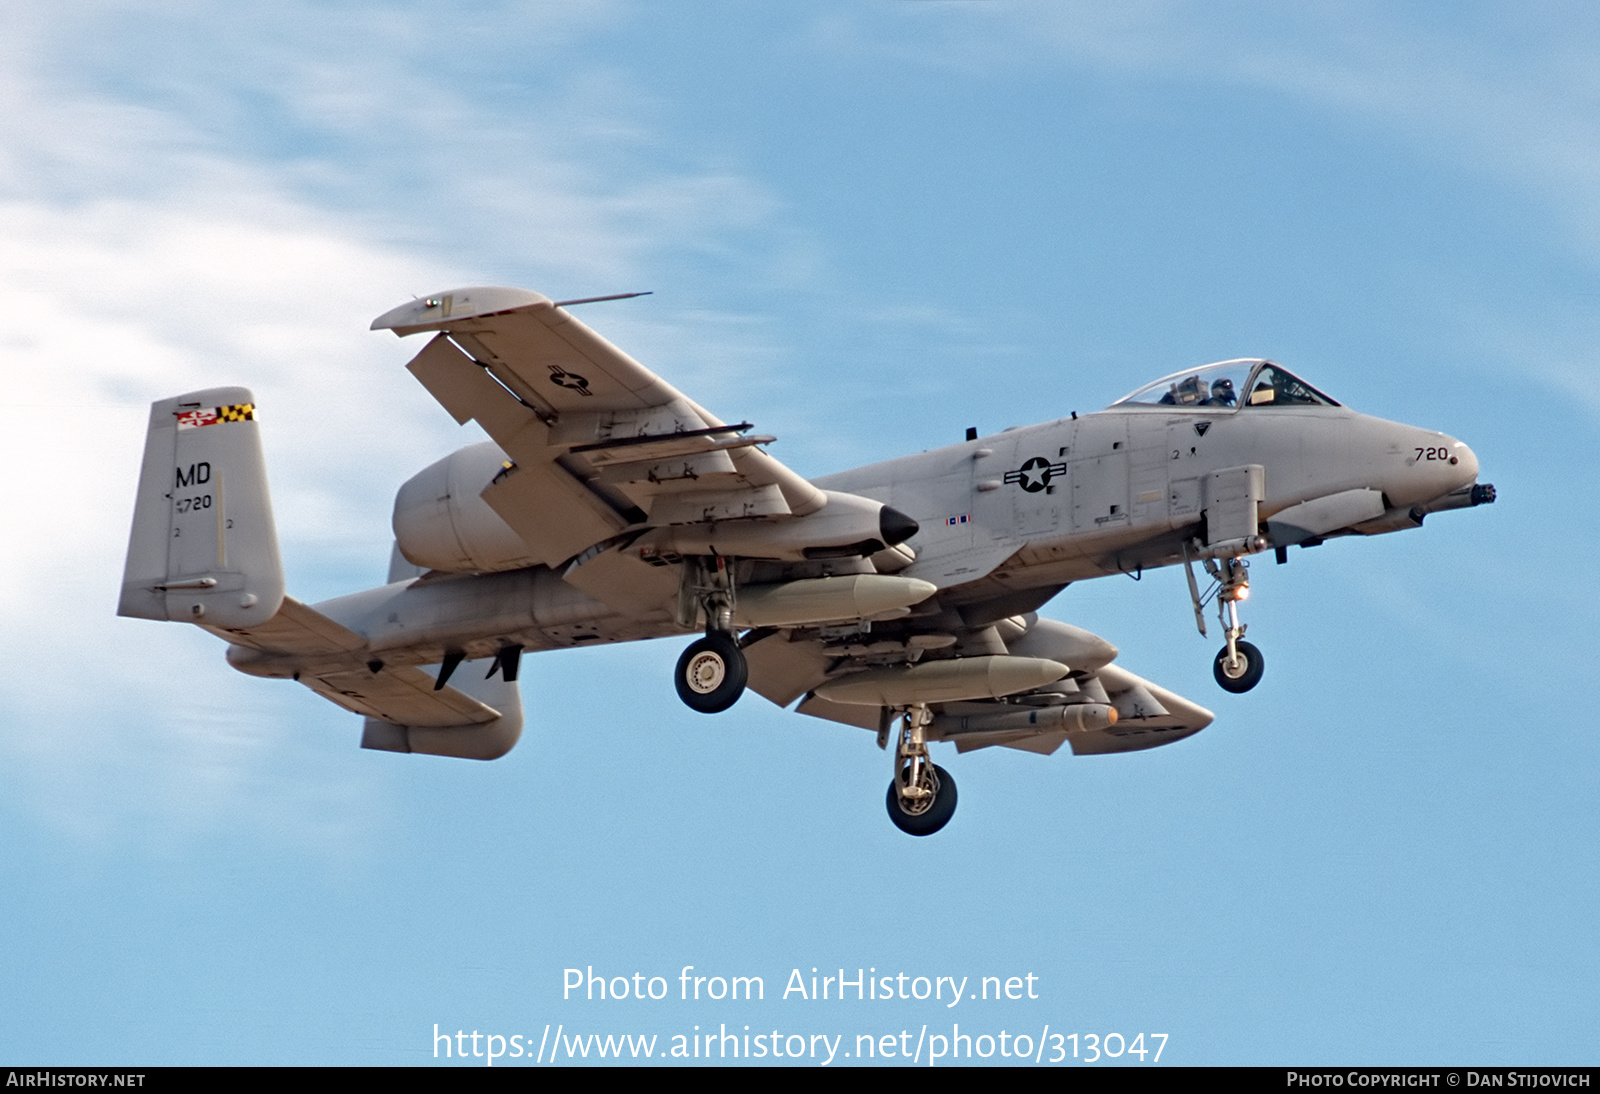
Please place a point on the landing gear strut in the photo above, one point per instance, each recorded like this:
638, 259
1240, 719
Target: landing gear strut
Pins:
922, 795
712, 672
1239, 664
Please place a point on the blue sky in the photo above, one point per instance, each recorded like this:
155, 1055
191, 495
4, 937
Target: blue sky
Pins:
867, 226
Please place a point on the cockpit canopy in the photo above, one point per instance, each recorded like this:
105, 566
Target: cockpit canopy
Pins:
1228, 385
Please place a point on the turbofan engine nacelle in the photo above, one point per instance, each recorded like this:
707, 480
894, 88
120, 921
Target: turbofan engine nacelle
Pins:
442, 523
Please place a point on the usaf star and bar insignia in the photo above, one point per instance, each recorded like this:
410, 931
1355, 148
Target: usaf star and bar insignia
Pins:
1034, 475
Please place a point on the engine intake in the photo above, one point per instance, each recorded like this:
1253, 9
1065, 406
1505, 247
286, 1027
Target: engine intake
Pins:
442, 523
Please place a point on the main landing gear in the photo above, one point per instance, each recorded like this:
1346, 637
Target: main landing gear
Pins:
1239, 664
712, 672
922, 795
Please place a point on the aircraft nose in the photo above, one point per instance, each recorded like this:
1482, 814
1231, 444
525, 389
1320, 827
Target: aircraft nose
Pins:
1431, 466
1463, 462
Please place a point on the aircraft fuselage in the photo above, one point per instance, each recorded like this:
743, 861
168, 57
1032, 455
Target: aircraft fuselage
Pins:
1033, 508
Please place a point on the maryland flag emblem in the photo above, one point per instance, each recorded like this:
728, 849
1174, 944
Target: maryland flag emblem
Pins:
238, 412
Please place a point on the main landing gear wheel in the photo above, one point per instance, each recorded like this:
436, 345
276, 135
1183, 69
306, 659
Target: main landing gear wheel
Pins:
712, 673
1241, 674
926, 816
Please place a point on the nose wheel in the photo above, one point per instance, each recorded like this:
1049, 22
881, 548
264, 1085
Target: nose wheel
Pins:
1238, 667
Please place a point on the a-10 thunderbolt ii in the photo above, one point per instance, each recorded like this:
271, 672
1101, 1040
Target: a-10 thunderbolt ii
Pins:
900, 597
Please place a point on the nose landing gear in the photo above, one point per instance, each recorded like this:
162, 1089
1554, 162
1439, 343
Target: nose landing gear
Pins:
1239, 664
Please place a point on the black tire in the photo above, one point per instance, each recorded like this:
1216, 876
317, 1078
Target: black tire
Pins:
1242, 679
711, 674
936, 815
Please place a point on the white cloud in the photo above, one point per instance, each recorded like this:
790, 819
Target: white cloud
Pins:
104, 307
156, 242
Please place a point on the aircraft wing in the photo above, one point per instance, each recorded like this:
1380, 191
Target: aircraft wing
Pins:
599, 443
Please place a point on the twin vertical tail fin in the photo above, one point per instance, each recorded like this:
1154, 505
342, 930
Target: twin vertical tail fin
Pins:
203, 548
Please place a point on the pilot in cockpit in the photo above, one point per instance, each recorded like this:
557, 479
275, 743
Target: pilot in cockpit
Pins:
1222, 393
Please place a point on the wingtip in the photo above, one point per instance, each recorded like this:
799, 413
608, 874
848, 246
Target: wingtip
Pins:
439, 310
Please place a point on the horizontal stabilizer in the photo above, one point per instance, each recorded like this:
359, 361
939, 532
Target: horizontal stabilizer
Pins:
297, 629
407, 709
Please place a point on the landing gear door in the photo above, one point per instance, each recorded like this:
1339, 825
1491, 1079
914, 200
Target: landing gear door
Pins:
1231, 497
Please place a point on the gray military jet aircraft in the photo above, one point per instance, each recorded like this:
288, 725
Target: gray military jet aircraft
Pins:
900, 597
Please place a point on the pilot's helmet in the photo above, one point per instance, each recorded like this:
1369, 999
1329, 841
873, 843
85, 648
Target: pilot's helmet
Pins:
1222, 392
